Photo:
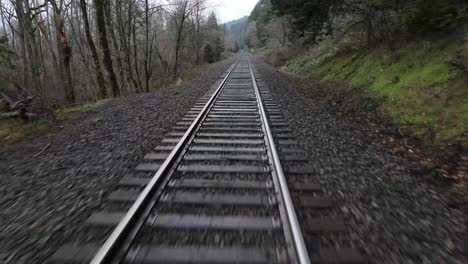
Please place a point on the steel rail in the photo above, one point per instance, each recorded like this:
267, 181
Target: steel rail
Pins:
107, 250
299, 245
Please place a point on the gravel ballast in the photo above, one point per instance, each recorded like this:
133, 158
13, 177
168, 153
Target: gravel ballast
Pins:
45, 198
391, 215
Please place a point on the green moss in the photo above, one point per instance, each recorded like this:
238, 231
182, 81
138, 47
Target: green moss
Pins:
71, 111
14, 130
423, 91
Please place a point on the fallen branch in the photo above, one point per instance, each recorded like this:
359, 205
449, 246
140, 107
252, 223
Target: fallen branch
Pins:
21, 104
17, 114
9, 115
42, 151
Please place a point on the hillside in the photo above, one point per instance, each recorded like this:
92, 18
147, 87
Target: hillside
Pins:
418, 85
406, 62
235, 31
236, 28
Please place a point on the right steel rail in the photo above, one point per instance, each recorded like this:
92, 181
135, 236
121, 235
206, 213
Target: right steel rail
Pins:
299, 245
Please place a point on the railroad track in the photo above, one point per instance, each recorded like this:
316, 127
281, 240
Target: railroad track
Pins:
217, 191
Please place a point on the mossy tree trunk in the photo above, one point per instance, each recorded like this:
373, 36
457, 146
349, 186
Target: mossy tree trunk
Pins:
97, 62
101, 27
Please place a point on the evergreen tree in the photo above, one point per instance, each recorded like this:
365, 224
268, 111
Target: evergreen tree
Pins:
209, 54
212, 22
236, 47
218, 48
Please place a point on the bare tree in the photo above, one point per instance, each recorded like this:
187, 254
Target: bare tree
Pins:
196, 21
64, 50
97, 62
51, 52
180, 16
101, 25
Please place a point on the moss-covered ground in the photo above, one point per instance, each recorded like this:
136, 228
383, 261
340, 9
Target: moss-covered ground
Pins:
417, 86
14, 130
68, 112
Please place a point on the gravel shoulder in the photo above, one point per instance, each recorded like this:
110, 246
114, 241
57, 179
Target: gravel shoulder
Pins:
392, 215
44, 199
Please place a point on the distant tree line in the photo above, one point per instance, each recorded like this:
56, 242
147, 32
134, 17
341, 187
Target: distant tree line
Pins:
369, 22
59, 52
235, 34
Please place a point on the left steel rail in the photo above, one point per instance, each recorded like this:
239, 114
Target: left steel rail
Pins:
110, 248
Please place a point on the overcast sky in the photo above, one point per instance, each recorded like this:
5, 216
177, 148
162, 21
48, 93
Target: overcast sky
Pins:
228, 10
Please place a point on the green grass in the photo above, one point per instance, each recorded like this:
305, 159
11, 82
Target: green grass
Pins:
14, 130
421, 90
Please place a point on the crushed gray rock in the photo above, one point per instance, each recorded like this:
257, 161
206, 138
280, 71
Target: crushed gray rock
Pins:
391, 215
45, 199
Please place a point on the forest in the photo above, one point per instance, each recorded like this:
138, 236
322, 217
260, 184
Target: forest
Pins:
56, 53
368, 23
406, 60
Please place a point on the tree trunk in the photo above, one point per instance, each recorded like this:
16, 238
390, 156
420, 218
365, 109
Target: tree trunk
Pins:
283, 33
4, 29
180, 28
65, 53
126, 41
198, 43
164, 63
111, 34
462, 13
135, 55
23, 35
370, 31
101, 26
32, 72
97, 63
146, 61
